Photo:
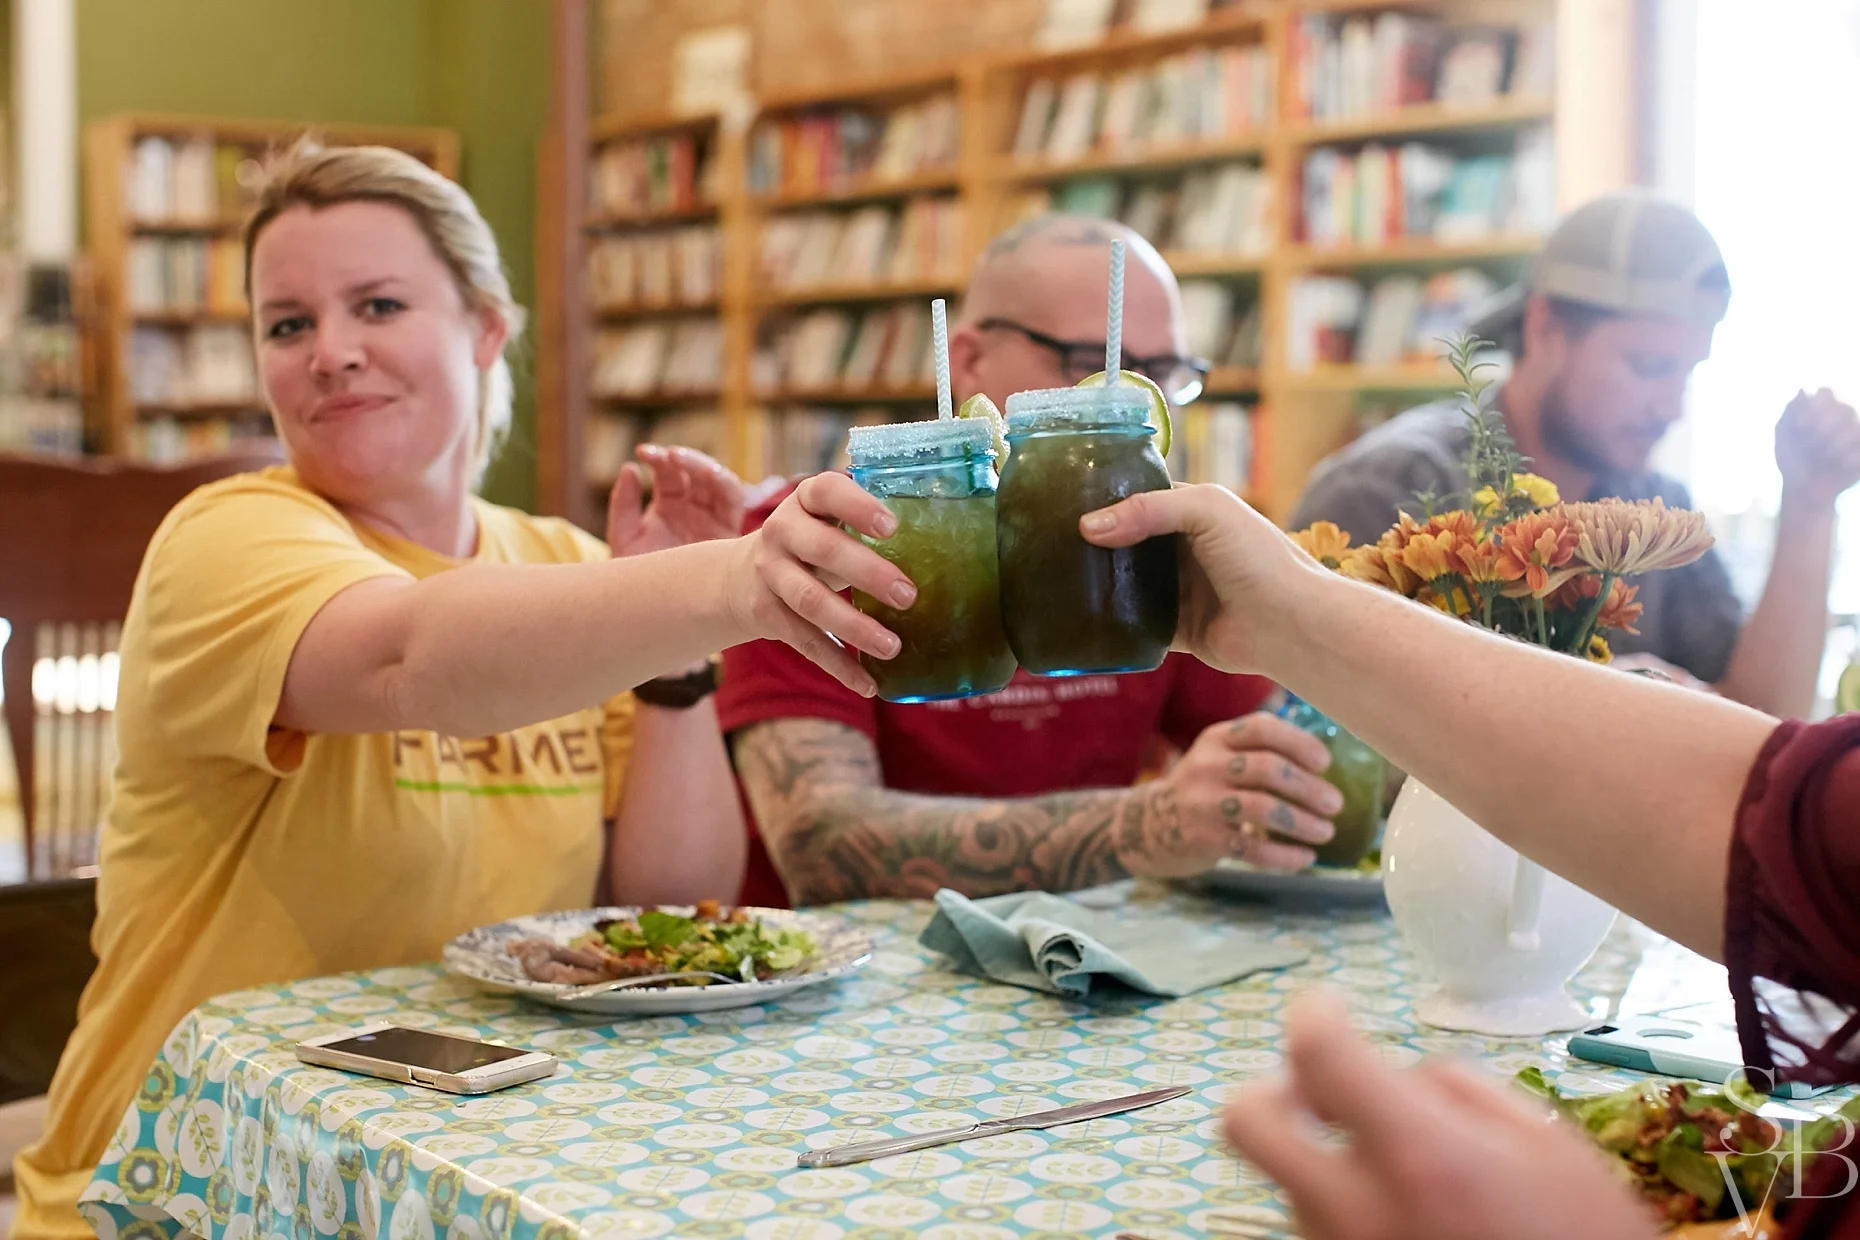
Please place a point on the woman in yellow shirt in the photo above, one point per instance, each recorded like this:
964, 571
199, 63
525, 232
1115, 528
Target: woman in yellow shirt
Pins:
362, 710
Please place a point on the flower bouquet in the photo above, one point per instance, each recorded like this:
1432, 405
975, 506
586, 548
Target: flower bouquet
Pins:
1511, 556
1502, 935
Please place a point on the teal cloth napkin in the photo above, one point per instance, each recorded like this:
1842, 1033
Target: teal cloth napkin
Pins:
1042, 942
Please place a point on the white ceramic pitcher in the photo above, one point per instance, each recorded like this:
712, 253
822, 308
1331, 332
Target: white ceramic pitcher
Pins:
1498, 933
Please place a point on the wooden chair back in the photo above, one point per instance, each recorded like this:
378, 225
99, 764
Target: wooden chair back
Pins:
45, 940
72, 536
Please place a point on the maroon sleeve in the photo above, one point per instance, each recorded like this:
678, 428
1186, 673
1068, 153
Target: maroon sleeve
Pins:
1202, 697
1792, 918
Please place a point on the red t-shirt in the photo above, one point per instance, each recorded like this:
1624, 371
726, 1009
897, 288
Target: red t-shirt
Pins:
1036, 736
1792, 935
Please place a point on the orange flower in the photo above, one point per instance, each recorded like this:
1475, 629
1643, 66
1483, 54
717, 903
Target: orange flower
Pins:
1391, 545
1325, 543
1366, 564
1458, 523
1619, 612
1428, 556
1538, 544
1485, 562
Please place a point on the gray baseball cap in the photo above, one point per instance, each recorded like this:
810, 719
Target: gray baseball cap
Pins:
1632, 252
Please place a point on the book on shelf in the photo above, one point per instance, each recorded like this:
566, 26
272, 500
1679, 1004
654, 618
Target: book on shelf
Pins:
869, 245
168, 440
875, 347
1361, 65
804, 439
610, 438
1216, 445
640, 176
169, 274
1399, 319
1222, 322
824, 150
40, 425
1199, 95
666, 357
206, 364
1218, 209
1158, 16
1074, 23
1379, 193
657, 267
196, 180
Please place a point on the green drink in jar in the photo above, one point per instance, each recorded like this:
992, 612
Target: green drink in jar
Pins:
1071, 608
938, 479
1355, 770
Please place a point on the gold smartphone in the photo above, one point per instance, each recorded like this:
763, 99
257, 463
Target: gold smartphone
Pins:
423, 1057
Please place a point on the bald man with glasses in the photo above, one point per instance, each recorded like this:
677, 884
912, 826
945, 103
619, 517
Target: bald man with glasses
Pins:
1034, 787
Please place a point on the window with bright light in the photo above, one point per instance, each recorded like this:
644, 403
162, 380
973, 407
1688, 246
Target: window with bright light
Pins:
1778, 182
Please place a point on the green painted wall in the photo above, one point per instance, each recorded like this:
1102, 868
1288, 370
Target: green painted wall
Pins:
477, 66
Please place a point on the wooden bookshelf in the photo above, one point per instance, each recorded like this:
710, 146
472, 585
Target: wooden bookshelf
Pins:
1232, 381
1410, 253
1299, 417
1421, 120
1153, 158
865, 189
114, 227
829, 294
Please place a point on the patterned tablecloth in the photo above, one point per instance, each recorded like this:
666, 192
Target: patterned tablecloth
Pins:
689, 1126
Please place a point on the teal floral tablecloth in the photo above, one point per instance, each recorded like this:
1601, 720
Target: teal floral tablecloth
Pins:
689, 1126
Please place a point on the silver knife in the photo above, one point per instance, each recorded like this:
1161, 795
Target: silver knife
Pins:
866, 1151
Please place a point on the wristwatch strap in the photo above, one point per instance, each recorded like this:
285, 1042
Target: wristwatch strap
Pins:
679, 692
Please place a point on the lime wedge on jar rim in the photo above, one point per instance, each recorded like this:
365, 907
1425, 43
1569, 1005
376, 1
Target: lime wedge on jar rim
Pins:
1159, 404
979, 406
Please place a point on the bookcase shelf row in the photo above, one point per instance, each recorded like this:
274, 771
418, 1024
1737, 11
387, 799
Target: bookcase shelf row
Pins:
1332, 181
827, 294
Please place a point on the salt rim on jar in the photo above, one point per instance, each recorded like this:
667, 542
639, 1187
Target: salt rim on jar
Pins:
906, 442
1060, 408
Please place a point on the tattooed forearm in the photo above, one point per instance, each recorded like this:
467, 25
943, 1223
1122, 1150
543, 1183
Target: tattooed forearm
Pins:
836, 833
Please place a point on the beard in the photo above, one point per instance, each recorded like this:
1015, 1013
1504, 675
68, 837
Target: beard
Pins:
1565, 436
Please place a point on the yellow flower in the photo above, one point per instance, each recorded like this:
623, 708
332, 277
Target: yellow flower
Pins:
1599, 651
1325, 543
1622, 538
1539, 490
1428, 556
1455, 602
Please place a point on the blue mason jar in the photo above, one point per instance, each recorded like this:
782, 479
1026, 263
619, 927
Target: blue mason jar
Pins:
938, 479
1355, 770
1071, 608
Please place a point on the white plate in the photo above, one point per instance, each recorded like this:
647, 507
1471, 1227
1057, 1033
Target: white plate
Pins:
1321, 884
480, 954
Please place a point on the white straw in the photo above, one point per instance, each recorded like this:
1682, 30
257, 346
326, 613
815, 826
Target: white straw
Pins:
939, 345
1114, 328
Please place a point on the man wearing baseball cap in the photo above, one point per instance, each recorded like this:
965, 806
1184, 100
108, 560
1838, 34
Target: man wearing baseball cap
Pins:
1613, 315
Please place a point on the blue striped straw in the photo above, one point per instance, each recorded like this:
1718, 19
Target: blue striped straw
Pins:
939, 345
1114, 329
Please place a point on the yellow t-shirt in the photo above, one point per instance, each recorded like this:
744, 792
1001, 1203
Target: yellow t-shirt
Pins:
238, 854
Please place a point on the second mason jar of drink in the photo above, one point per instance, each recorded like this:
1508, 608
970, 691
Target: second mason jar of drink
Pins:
938, 479
1069, 607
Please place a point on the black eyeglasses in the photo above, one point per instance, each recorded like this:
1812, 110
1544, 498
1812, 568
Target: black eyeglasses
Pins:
1180, 378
